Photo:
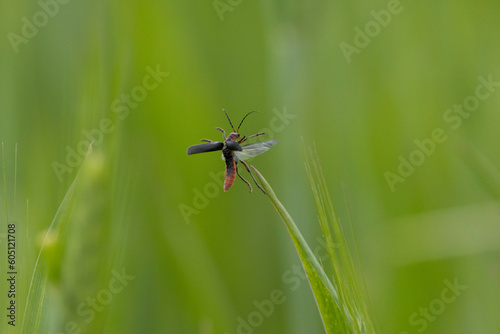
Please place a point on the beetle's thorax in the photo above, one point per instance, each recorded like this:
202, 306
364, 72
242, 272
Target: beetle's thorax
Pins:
233, 136
226, 152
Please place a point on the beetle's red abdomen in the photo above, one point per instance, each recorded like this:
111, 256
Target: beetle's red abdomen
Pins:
230, 174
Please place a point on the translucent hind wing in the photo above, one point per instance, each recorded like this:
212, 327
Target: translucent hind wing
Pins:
255, 149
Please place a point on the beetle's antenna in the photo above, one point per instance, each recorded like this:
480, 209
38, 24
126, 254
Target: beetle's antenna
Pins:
229, 119
237, 130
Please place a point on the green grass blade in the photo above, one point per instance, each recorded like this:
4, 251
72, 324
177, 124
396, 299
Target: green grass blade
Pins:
48, 257
325, 294
39, 279
340, 301
345, 279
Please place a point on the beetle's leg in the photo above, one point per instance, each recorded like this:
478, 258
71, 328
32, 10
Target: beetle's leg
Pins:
223, 132
241, 177
248, 169
206, 140
245, 138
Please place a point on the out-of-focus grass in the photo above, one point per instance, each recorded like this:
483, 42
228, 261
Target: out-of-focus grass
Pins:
263, 55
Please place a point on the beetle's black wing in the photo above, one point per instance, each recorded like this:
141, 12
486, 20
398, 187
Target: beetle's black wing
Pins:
234, 146
207, 147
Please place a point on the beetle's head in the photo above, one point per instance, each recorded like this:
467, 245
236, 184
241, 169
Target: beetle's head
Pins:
233, 136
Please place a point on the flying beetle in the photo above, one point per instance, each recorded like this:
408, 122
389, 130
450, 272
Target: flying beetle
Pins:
233, 152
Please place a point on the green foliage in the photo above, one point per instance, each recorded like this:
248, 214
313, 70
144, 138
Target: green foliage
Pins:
145, 80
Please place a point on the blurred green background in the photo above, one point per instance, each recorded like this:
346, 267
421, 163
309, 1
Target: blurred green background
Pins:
203, 263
